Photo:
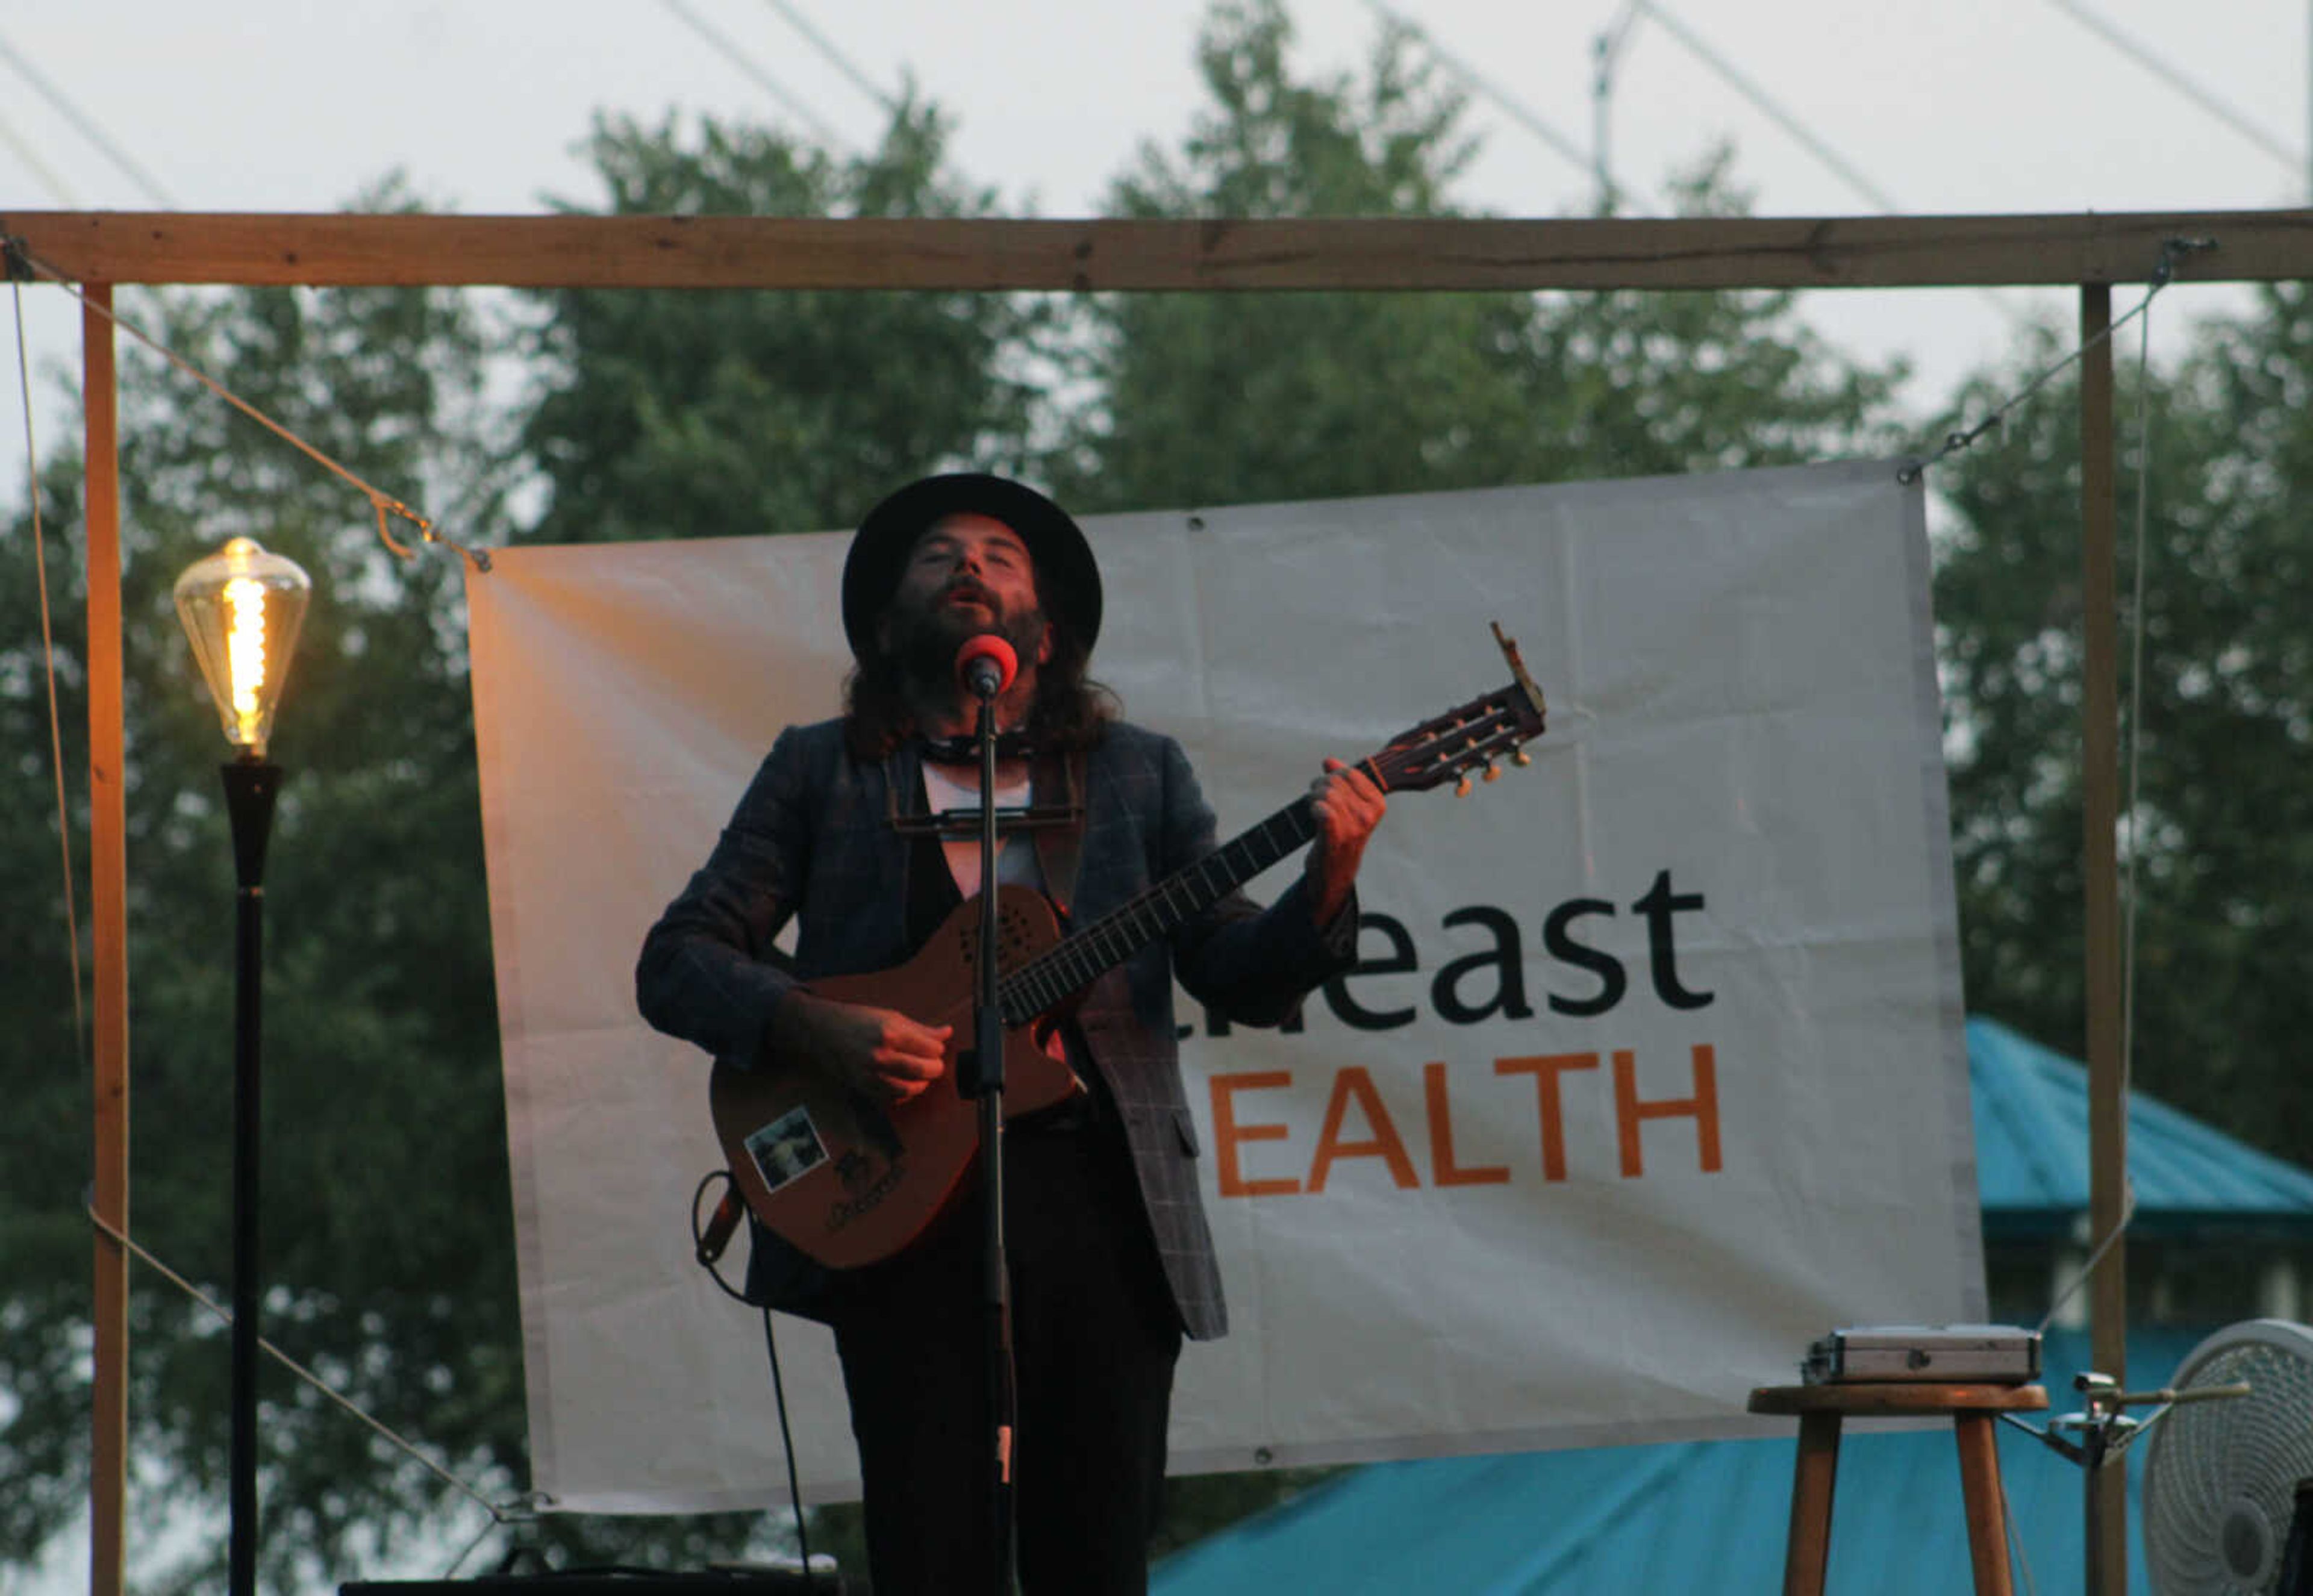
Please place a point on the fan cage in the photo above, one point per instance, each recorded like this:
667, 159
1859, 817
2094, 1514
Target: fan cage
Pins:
2220, 1476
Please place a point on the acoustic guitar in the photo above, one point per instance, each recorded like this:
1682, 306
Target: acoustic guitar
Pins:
851, 1180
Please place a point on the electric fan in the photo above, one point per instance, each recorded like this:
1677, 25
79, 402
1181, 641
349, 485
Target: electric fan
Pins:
2220, 1477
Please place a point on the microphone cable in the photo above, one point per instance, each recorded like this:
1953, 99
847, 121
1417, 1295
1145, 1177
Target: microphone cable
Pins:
770, 1347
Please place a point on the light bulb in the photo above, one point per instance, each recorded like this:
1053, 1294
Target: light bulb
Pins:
242, 608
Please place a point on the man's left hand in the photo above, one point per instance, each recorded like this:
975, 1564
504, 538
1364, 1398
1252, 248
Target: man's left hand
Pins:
1347, 805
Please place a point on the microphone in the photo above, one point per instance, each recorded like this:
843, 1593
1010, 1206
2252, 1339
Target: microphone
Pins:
986, 665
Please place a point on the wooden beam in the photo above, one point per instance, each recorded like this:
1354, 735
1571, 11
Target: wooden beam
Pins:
109, 913
344, 250
2099, 864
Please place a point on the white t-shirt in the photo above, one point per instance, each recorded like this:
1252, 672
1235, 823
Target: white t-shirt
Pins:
957, 786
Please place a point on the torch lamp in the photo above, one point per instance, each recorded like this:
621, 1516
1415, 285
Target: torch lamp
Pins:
242, 608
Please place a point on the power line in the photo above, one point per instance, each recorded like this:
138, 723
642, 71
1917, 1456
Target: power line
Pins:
842, 62
2146, 57
1768, 107
761, 79
39, 169
1606, 55
1501, 98
87, 127
1772, 109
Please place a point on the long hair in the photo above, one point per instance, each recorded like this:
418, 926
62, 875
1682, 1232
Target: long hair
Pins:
1071, 711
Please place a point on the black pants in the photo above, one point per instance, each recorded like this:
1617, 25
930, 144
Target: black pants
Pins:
1095, 1337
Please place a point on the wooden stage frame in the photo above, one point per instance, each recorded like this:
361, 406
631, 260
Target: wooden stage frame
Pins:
2090, 253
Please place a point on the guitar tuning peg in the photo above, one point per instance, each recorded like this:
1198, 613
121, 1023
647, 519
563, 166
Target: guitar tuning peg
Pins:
1493, 771
1462, 787
1521, 759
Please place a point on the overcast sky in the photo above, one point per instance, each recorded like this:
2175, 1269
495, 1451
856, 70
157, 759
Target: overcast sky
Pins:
1833, 108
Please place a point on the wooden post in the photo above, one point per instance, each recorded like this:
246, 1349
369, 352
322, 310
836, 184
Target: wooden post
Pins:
1977, 1437
108, 911
2099, 862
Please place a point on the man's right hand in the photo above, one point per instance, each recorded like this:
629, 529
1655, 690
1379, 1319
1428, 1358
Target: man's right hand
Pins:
880, 1052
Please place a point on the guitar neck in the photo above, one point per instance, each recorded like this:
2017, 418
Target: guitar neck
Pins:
1077, 961
1454, 745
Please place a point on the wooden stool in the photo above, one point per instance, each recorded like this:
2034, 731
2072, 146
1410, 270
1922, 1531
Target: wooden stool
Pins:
1821, 1408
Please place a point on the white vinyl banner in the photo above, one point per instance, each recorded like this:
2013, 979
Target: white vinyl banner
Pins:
1651, 1074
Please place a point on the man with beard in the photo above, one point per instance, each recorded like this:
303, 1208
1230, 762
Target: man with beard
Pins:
1111, 1260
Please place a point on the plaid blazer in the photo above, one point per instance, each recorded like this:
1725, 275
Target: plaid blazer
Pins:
811, 841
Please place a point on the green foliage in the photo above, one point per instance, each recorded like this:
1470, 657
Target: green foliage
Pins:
388, 1245
733, 414
44, 1165
1229, 399
2225, 827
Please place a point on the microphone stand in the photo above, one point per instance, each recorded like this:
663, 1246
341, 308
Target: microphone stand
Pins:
987, 1078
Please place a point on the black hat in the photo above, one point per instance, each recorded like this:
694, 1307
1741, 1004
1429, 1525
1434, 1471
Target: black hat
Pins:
1067, 579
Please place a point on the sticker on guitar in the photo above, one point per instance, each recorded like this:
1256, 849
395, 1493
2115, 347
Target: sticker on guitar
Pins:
786, 1149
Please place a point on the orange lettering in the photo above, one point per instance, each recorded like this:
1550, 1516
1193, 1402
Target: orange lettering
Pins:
1445, 1170
1358, 1082
1545, 1069
1228, 1134
1703, 1106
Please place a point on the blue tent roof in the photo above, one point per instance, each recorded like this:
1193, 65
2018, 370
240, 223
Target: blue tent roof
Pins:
1714, 1514
1699, 1516
2032, 1151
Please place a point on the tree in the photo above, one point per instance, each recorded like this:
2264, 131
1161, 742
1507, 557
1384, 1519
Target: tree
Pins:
2224, 828
378, 1002
738, 413
1218, 398
43, 1141
388, 1240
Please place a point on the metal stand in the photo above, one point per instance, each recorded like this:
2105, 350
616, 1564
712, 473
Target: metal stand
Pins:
986, 1078
250, 787
2106, 1431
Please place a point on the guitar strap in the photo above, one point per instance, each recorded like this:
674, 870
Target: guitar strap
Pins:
1056, 781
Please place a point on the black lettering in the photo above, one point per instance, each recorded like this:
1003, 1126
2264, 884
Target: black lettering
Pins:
1658, 906
1506, 957
1400, 960
1563, 947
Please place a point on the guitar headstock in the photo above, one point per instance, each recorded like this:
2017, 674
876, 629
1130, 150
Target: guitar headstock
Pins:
1466, 740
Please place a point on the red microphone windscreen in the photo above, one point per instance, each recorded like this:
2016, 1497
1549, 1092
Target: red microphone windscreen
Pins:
993, 649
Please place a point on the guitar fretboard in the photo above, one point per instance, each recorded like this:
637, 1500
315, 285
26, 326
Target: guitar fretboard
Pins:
1079, 959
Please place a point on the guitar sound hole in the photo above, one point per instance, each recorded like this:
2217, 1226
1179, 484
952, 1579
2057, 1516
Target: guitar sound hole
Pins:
1016, 935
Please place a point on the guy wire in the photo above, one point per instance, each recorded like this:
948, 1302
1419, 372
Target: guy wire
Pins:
499, 1512
383, 503
2163, 273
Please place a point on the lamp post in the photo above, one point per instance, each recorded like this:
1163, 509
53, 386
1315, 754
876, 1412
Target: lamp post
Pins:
242, 608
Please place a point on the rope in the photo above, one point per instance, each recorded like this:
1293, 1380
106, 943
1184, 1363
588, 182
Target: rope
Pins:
2087, 1269
523, 1510
383, 503
49, 653
2163, 271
